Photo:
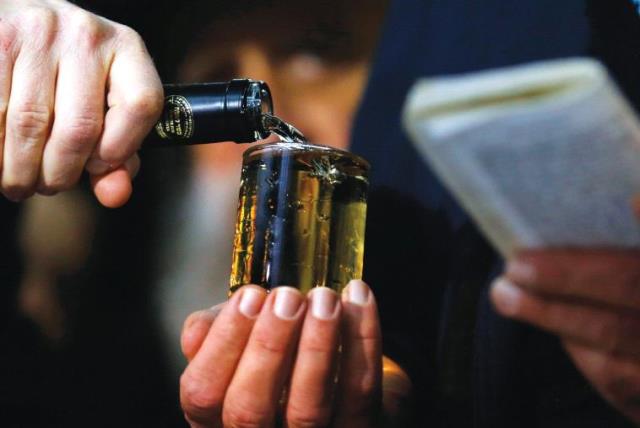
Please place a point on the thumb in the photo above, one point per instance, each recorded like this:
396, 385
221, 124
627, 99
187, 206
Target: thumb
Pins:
195, 329
114, 189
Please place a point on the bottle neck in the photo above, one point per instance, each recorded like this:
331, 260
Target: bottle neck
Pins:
212, 112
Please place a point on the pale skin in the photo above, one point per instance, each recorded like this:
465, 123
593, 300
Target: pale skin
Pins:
79, 92
242, 355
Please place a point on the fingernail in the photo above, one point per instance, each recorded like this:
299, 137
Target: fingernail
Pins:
358, 292
97, 166
521, 271
506, 296
251, 302
323, 303
287, 303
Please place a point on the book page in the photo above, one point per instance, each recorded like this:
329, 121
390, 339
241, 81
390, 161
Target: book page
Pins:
537, 161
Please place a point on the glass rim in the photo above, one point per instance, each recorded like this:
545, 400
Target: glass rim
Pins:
303, 147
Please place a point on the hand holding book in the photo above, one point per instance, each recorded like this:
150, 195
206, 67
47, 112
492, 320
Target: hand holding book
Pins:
546, 159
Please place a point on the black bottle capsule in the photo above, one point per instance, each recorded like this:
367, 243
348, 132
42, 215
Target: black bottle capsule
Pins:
212, 112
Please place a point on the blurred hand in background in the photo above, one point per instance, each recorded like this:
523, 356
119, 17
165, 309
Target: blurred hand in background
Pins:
590, 298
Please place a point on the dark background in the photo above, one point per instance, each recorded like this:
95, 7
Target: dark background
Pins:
108, 368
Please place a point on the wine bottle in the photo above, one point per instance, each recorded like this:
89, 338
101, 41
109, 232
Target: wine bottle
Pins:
212, 112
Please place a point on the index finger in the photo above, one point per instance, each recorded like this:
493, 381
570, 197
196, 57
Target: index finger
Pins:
135, 99
195, 329
204, 383
608, 276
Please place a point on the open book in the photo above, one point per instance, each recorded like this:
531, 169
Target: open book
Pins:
541, 155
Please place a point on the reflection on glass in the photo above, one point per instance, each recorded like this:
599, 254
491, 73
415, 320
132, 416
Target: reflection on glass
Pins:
301, 217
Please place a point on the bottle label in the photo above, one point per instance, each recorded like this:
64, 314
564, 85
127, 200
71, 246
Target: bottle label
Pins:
176, 122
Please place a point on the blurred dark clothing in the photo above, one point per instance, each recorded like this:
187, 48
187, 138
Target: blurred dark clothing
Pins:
9, 260
109, 369
427, 263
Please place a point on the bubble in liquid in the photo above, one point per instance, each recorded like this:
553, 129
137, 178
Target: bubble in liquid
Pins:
273, 179
325, 170
297, 205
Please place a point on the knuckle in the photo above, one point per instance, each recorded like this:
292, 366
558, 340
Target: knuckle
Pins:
318, 348
308, 418
268, 345
7, 37
128, 37
235, 415
85, 28
367, 336
39, 21
145, 104
31, 121
128, 33
115, 154
197, 400
80, 134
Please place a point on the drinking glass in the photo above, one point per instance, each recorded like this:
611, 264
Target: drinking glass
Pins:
301, 217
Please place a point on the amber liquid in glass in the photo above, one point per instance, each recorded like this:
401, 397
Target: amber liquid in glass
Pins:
301, 217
